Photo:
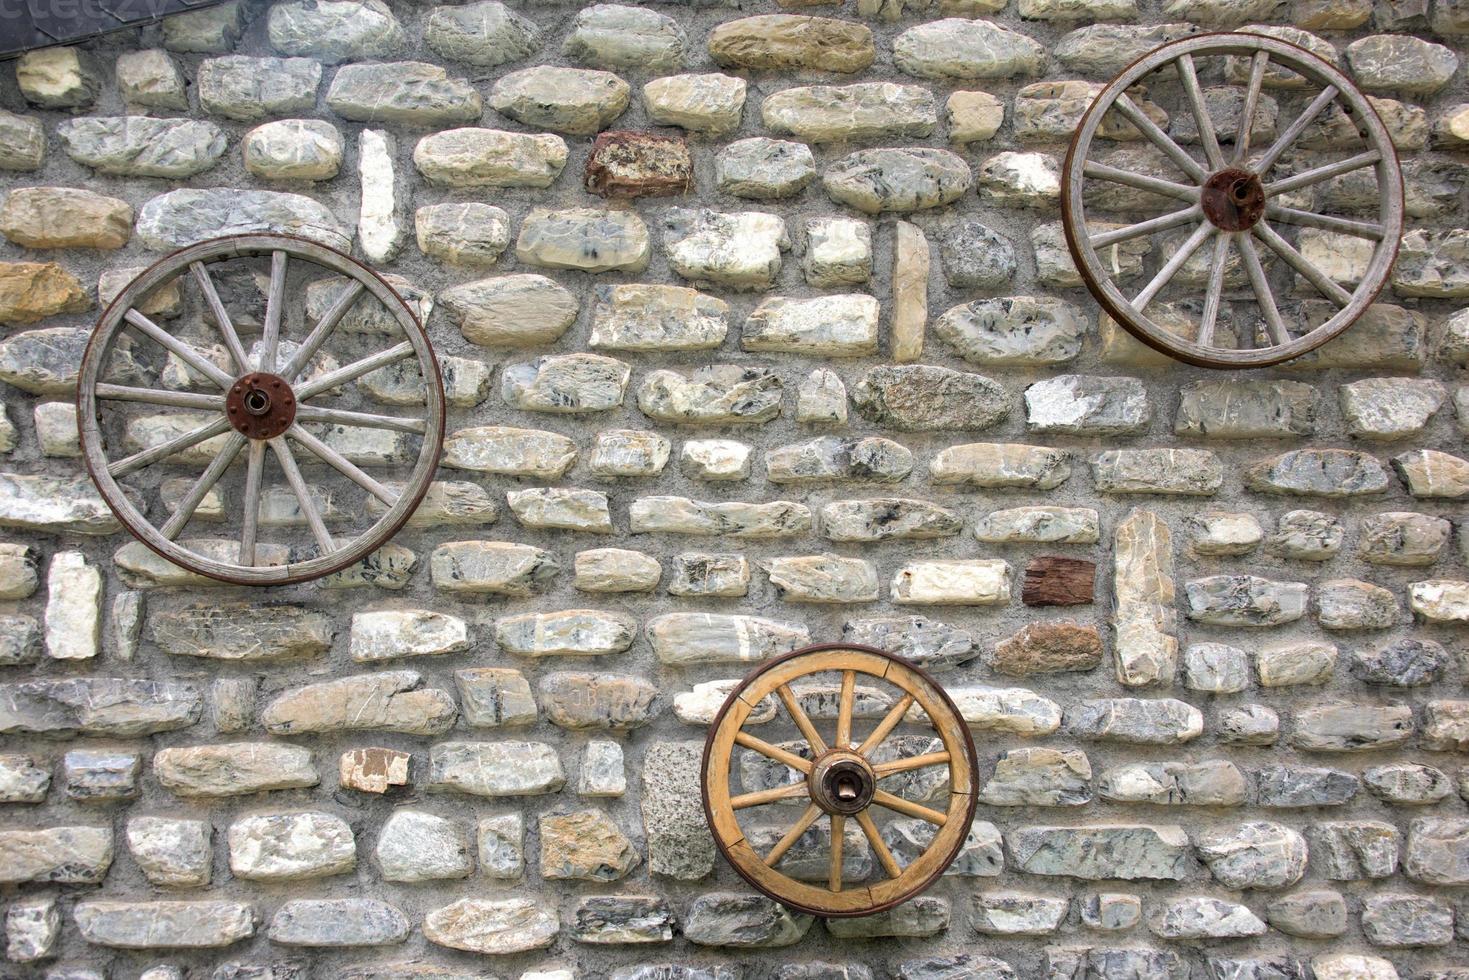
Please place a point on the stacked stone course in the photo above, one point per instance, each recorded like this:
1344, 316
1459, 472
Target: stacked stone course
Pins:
758, 329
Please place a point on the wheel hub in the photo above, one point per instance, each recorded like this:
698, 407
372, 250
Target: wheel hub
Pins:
842, 782
260, 405
1233, 199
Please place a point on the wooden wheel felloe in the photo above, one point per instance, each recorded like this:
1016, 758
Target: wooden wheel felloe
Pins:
838, 776
258, 420
1235, 203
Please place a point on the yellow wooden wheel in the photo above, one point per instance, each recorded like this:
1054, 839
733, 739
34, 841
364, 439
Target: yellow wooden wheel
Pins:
862, 777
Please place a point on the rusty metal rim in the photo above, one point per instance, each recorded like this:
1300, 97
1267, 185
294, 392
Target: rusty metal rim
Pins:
239, 246
734, 695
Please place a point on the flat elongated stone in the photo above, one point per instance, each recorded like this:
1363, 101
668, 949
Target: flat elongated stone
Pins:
1123, 852
505, 768
1039, 777
585, 239
1283, 665
832, 326
1080, 404
565, 383
685, 639
924, 916
64, 217
64, 855
1401, 63
897, 179
291, 846
1352, 728
1001, 465
511, 925
1174, 472
785, 42
1246, 409
494, 697
574, 101
573, 633
721, 393
562, 509
957, 48
483, 34
865, 111
1048, 525
710, 103
1429, 473
248, 89
101, 706
763, 169
1245, 600
680, 515
887, 518
389, 634
510, 311
1021, 180
972, 582
933, 645
189, 215
471, 157
1135, 721
743, 921
142, 146
613, 570
409, 92
657, 318
741, 250
606, 702
233, 769
510, 452
1014, 330
294, 149
1217, 783
387, 701
918, 397
32, 291
1331, 473
470, 235
822, 578
242, 632
832, 458
617, 36
336, 30
338, 922
1046, 648
48, 361
1255, 854
165, 925
1390, 408
622, 920
1402, 538
1015, 710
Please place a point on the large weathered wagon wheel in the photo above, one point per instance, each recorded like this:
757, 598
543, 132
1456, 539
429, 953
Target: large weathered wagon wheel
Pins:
1234, 197
848, 777
215, 405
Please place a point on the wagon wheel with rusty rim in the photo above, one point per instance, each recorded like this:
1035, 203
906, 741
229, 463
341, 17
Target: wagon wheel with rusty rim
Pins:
852, 776
1236, 198
150, 400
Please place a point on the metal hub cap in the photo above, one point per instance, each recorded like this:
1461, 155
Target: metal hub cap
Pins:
842, 782
1233, 199
260, 405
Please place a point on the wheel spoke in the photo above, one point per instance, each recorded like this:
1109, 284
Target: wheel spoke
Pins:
185, 352
802, 720
1160, 223
338, 416
791, 836
763, 796
1207, 136
250, 520
1247, 113
780, 755
1142, 182
1316, 175
352, 371
177, 444
884, 769
1285, 139
321, 332
879, 846
1326, 222
1323, 283
1279, 335
172, 399
341, 464
1215, 291
838, 828
275, 303
287, 460
888, 801
211, 475
844, 709
1171, 267
1160, 139
889, 722
221, 316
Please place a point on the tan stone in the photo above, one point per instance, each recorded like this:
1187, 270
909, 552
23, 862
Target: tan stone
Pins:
585, 846
1146, 644
973, 116
1048, 648
910, 292
65, 217
31, 291
373, 770
783, 42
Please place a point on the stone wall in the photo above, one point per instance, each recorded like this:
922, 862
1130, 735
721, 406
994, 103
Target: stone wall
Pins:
1233, 752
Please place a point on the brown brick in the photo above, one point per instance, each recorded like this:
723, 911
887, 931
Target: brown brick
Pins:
624, 163
1048, 648
1058, 582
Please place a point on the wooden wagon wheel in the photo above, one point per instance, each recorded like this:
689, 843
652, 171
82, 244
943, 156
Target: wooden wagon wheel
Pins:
236, 406
840, 780
1233, 196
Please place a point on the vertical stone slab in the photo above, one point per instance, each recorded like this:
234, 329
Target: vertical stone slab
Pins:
1145, 620
73, 608
910, 292
679, 843
378, 227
